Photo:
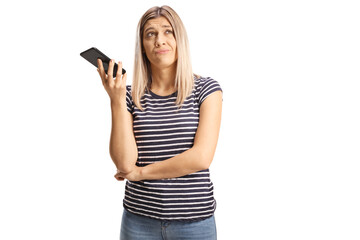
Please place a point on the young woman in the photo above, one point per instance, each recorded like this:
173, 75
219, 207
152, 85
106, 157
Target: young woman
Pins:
165, 128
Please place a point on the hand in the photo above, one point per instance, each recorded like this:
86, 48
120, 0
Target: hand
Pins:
115, 88
134, 175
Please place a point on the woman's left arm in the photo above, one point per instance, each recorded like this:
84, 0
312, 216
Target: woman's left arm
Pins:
197, 158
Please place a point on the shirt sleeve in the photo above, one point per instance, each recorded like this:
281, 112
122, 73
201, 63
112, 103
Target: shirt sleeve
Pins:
129, 101
209, 86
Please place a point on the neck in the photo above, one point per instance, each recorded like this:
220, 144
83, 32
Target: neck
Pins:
163, 79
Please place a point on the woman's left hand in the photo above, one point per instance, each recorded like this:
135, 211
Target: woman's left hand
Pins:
134, 175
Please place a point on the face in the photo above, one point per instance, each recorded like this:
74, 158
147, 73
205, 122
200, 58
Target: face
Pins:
159, 43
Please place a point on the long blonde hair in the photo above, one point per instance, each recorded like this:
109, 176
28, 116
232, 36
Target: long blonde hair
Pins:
184, 78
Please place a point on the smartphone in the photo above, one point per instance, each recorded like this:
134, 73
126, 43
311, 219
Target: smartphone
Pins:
92, 54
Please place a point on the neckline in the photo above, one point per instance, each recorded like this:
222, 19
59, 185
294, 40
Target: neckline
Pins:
158, 96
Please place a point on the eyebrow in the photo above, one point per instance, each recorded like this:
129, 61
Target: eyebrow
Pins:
164, 26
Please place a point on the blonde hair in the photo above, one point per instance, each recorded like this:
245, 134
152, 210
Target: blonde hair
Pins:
184, 78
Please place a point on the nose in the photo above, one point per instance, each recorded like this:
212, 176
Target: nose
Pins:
160, 40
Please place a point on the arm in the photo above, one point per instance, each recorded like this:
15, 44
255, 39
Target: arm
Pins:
123, 149
197, 158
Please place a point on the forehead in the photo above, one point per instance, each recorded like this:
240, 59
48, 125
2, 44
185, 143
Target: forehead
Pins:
160, 22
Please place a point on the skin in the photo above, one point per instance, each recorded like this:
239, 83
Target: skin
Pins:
123, 149
158, 36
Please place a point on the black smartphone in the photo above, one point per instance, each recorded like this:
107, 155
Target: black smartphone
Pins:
92, 54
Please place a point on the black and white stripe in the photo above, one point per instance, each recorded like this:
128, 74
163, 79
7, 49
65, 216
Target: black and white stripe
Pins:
162, 131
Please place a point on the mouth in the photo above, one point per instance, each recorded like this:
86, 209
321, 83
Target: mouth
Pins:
161, 51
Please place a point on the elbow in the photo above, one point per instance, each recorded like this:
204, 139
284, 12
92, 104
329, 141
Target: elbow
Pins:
205, 160
125, 168
206, 163
124, 164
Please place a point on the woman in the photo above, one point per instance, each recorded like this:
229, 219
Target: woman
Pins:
165, 128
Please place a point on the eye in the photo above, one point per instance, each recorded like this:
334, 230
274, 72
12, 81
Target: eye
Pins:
150, 34
168, 31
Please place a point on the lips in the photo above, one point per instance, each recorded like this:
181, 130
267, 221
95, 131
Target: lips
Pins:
162, 51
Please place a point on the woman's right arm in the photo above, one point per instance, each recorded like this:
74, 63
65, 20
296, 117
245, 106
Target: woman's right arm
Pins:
123, 149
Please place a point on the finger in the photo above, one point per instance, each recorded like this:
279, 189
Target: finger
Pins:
100, 65
111, 69
119, 178
101, 70
119, 70
123, 80
118, 74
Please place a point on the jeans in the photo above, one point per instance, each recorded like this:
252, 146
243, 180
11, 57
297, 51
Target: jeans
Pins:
135, 227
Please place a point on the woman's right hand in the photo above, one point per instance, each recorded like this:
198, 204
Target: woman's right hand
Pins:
116, 88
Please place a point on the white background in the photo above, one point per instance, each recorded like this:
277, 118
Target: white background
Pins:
287, 161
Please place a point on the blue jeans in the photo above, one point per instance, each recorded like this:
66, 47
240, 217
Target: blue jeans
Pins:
135, 227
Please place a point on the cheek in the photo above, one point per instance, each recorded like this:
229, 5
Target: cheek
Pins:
173, 42
175, 49
147, 49
145, 46
147, 43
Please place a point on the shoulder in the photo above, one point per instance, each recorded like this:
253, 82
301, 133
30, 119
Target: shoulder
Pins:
205, 86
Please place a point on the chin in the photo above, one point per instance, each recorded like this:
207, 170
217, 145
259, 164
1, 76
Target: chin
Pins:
164, 64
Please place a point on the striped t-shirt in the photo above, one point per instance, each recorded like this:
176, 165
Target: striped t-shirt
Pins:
161, 132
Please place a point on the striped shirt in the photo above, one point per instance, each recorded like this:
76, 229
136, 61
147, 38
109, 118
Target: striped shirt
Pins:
162, 132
